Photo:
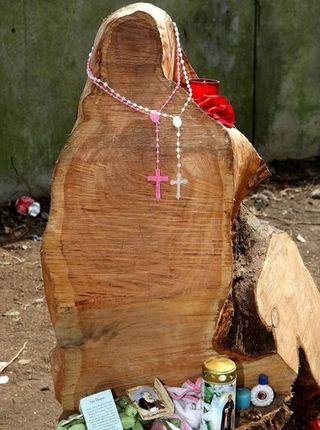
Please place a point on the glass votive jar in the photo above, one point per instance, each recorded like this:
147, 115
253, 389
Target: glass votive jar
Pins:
203, 86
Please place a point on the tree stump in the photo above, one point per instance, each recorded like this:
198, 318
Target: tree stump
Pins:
137, 287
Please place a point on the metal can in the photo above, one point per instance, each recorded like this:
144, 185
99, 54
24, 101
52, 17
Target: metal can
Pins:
218, 393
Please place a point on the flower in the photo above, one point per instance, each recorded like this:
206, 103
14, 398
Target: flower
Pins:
313, 424
217, 107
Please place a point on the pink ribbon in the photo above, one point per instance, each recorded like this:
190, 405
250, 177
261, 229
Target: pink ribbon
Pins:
190, 392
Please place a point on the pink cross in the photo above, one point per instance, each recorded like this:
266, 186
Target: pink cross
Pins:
158, 179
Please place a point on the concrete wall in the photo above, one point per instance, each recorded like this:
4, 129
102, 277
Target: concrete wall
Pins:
44, 46
287, 106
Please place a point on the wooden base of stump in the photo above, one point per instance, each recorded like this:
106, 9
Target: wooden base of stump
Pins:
274, 416
138, 288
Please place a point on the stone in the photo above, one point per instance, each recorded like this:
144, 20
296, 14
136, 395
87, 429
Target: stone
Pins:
315, 194
300, 238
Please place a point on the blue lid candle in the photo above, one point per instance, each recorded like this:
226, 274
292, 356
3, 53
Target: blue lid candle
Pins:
243, 397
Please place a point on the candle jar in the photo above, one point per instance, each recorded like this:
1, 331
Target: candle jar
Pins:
202, 86
218, 394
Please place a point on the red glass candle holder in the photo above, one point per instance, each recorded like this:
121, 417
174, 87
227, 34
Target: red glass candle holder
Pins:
202, 86
205, 93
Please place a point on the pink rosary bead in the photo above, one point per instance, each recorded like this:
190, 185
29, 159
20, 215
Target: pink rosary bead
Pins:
154, 116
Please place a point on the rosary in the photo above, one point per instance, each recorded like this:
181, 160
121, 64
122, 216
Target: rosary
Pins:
154, 116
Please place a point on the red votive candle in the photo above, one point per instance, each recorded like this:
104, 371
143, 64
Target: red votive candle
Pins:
202, 86
205, 93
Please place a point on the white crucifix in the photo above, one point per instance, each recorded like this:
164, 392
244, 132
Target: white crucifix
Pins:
178, 182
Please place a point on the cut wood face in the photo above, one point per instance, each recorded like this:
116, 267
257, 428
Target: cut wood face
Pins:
130, 55
135, 285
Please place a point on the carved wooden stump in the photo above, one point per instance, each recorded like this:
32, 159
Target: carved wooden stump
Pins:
137, 287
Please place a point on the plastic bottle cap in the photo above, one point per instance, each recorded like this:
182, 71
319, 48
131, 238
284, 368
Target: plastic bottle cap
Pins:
263, 379
34, 209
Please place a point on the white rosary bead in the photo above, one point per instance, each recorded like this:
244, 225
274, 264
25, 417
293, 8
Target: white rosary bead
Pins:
177, 122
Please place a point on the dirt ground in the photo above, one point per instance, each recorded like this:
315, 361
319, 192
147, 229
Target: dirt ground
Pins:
27, 400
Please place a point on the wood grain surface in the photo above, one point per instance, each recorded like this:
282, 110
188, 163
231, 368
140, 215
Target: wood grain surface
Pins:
137, 287
136, 284
289, 302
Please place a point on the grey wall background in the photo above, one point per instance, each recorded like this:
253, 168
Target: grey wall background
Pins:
287, 96
265, 52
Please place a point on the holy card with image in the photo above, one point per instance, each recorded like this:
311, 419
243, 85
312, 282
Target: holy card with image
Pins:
152, 402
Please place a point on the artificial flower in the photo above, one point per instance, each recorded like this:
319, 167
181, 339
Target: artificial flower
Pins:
217, 107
